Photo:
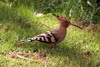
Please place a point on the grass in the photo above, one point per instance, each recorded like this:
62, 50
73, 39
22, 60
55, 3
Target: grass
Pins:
80, 48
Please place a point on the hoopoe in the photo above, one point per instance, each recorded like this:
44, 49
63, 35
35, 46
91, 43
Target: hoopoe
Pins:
55, 36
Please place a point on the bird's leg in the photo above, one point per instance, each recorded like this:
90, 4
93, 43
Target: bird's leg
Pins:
52, 45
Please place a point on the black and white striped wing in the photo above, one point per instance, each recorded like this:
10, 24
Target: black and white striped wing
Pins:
47, 37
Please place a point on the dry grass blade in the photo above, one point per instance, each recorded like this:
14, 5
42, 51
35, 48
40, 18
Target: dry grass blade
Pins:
28, 58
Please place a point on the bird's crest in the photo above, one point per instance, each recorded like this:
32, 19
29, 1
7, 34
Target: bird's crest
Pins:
61, 18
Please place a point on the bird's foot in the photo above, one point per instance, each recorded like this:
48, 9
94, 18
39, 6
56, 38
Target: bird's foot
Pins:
53, 46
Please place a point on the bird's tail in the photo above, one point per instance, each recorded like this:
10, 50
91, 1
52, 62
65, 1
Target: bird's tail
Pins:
27, 40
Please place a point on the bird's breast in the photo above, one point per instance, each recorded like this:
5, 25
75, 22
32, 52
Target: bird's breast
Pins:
61, 35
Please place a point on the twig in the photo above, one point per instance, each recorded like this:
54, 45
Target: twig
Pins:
27, 58
45, 63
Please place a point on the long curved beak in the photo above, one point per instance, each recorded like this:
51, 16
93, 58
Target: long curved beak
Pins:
76, 26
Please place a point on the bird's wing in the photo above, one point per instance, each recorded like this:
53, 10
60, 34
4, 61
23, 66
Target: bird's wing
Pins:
47, 37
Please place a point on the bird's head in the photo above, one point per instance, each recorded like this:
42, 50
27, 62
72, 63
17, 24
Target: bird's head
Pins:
65, 22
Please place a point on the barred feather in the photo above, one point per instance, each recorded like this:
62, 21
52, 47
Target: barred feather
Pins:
47, 37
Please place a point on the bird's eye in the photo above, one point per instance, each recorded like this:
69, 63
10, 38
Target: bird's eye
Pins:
57, 16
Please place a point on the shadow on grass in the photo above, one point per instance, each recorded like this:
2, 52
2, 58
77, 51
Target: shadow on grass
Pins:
65, 52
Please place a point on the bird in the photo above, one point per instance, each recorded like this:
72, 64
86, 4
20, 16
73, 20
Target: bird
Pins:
53, 37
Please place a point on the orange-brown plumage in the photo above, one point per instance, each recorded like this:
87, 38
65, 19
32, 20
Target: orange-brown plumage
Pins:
55, 36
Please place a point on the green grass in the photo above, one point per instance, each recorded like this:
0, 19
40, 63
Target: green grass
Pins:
18, 23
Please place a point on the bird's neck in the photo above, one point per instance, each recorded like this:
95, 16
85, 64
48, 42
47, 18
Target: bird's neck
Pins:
62, 28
